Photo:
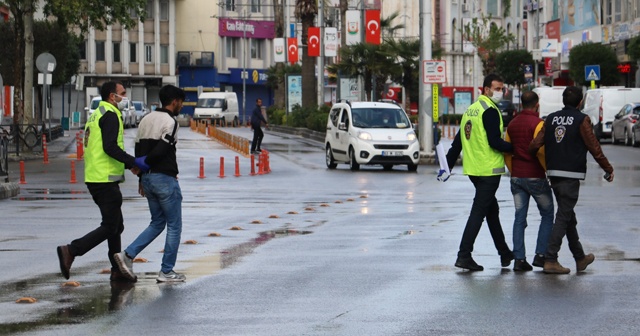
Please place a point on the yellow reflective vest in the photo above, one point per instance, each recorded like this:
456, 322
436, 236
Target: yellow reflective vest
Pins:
98, 166
479, 158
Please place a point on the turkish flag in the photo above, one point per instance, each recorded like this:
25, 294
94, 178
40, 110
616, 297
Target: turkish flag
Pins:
292, 49
372, 25
313, 42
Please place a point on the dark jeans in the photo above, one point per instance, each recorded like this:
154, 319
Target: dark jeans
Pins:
257, 138
566, 191
485, 205
109, 199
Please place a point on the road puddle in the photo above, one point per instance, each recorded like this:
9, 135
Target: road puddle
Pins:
97, 296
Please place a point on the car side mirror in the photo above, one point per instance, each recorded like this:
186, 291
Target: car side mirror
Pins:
224, 105
342, 126
86, 109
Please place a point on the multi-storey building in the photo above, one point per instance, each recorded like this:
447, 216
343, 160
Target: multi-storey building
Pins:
235, 55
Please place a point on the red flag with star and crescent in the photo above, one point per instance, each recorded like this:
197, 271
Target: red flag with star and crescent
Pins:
372, 25
292, 49
313, 41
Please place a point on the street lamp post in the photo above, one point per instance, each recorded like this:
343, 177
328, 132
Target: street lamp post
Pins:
244, 64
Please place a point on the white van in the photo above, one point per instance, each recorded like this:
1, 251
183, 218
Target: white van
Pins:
218, 106
370, 133
550, 99
601, 105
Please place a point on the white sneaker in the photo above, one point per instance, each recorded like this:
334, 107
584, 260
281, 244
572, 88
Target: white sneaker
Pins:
170, 277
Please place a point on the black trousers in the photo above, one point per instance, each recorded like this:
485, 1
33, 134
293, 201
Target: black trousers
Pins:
257, 138
109, 200
566, 191
485, 205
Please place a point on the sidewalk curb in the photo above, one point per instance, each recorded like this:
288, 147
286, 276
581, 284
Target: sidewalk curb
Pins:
8, 190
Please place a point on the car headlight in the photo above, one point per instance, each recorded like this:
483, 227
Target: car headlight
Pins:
364, 136
411, 136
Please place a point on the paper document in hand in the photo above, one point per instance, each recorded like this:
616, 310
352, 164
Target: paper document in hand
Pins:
442, 158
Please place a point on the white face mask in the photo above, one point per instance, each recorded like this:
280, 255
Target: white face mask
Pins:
497, 96
122, 105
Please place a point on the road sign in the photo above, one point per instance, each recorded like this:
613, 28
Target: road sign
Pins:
592, 72
434, 72
528, 71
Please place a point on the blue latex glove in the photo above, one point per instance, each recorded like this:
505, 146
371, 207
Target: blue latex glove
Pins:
144, 167
443, 176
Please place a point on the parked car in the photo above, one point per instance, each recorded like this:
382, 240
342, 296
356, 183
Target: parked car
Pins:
623, 122
140, 109
635, 135
128, 118
602, 105
370, 133
508, 111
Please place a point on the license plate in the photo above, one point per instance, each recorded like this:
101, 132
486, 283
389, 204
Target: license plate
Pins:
391, 153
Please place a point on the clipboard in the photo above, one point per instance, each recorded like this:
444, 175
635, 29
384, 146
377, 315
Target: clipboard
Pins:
442, 158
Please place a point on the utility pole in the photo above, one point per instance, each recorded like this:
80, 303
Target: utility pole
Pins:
476, 58
425, 121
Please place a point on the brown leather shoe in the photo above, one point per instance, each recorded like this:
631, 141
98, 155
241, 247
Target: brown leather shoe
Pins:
554, 267
66, 259
582, 264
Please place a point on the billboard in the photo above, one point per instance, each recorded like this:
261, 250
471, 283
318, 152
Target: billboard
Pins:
578, 15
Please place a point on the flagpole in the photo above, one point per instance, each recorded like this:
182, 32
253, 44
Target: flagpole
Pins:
321, 57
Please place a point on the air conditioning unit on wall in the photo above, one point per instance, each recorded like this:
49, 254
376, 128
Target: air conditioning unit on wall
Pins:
184, 58
465, 7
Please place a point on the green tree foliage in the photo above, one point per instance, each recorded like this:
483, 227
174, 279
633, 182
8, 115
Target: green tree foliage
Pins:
593, 54
276, 75
633, 49
48, 37
488, 39
510, 65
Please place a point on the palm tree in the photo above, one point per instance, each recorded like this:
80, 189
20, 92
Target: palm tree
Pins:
362, 59
306, 11
406, 68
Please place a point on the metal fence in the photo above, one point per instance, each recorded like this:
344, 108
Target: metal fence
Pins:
27, 137
4, 158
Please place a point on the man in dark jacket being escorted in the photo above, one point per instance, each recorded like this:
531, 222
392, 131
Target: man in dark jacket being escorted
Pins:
567, 136
256, 124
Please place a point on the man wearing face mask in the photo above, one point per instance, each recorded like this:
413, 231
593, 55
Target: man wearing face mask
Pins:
156, 140
480, 137
528, 180
105, 162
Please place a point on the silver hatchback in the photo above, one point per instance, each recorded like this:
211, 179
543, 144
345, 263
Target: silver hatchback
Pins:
622, 129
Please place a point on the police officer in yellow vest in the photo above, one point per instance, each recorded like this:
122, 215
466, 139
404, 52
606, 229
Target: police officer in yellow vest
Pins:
480, 138
105, 162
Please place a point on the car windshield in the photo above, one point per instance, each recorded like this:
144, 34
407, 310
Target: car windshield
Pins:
210, 102
95, 104
376, 117
137, 105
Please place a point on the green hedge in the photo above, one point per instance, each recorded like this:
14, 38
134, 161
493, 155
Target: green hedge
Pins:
312, 118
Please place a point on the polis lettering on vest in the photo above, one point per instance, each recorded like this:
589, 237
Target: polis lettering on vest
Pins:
562, 120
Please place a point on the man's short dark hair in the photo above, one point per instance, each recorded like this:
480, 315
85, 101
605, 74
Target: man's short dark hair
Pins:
572, 96
260, 99
169, 93
529, 100
108, 88
490, 79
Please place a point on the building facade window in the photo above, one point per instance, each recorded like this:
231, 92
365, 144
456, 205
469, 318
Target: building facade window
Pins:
116, 52
133, 48
256, 48
164, 54
164, 10
99, 50
230, 5
231, 47
132, 12
255, 6
82, 50
149, 9
148, 53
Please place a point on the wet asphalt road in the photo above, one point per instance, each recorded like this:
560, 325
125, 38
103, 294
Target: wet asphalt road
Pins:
330, 253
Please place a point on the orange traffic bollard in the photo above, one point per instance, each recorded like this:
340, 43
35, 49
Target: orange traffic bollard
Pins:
237, 167
201, 168
261, 164
253, 165
221, 167
73, 172
22, 179
79, 148
45, 152
267, 166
